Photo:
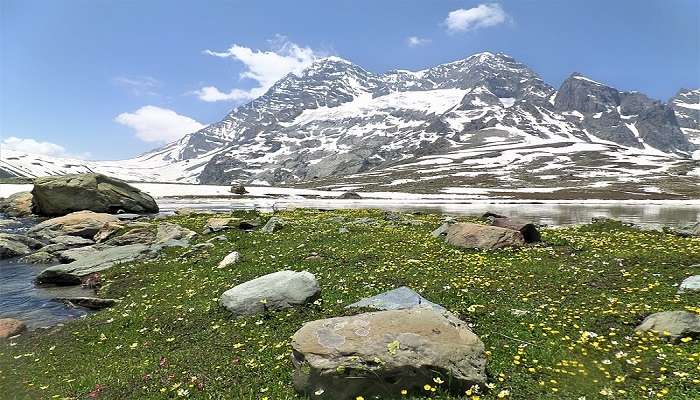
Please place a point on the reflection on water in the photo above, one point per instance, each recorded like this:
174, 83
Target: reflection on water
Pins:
672, 214
20, 299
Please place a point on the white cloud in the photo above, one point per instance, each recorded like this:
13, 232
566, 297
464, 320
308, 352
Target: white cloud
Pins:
263, 67
211, 94
481, 16
414, 41
33, 146
139, 86
155, 124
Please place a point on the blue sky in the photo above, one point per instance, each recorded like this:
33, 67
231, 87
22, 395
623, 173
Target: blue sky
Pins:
112, 79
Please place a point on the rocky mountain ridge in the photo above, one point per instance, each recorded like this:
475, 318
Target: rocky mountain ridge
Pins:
487, 117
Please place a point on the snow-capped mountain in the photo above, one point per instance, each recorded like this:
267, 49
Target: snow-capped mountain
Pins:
487, 118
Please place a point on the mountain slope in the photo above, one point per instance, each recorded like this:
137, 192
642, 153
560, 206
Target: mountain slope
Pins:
488, 118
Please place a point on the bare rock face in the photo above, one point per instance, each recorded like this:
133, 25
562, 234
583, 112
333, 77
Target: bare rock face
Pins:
529, 230
17, 204
675, 324
381, 353
63, 194
476, 236
11, 327
82, 223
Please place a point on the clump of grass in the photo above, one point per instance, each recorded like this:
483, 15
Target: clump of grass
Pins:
557, 319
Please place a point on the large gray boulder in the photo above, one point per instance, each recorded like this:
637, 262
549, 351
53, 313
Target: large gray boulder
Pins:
483, 237
60, 195
82, 223
17, 204
675, 324
381, 353
274, 291
90, 261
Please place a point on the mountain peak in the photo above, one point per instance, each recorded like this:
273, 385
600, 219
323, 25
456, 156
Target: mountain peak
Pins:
580, 76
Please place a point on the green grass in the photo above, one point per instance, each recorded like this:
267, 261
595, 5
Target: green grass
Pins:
169, 335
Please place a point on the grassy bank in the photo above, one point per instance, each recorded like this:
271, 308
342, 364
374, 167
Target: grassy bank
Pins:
558, 319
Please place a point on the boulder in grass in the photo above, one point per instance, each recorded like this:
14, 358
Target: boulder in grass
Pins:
476, 236
81, 223
218, 224
379, 354
397, 299
273, 224
173, 235
274, 291
230, 259
529, 230
690, 284
11, 327
63, 194
675, 324
17, 204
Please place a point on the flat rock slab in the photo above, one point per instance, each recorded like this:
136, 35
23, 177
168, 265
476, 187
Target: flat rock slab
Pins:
14, 245
476, 236
397, 299
690, 284
71, 241
11, 327
675, 324
274, 291
381, 353
63, 194
84, 224
90, 261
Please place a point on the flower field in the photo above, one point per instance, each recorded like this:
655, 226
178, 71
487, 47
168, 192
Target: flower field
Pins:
557, 318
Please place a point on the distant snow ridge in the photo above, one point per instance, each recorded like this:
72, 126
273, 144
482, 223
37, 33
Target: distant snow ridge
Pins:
486, 115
